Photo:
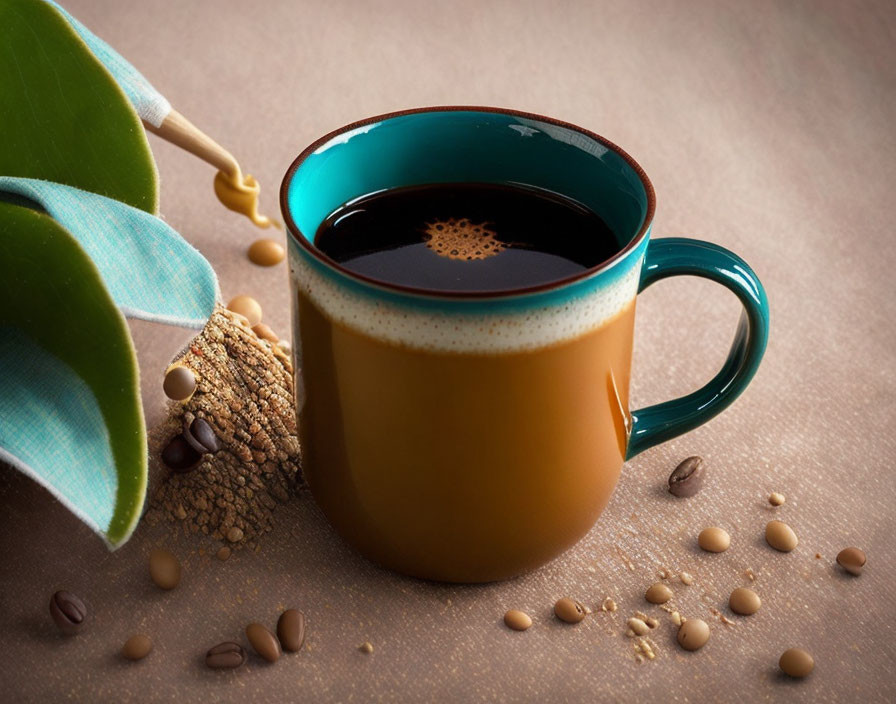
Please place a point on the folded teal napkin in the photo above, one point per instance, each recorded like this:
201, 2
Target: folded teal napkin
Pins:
151, 271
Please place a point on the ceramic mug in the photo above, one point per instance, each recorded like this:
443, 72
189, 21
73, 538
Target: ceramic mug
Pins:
471, 437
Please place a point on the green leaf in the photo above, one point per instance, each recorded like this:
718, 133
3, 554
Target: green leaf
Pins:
65, 352
63, 117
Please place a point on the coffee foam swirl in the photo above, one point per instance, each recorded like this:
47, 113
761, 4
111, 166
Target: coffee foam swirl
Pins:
439, 331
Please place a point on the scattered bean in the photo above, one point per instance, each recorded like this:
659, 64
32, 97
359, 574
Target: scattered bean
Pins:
744, 601
266, 252
852, 560
714, 539
780, 536
291, 630
223, 553
687, 478
68, 612
225, 656
366, 647
517, 620
164, 569
796, 662
693, 634
235, 534
248, 307
569, 610
686, 579
137, 647
263, 642
659, 593
776, 499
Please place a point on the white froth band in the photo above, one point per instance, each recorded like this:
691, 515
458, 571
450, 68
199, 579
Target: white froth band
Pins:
527, 328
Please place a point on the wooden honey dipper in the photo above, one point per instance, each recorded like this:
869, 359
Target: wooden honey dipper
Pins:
235, 191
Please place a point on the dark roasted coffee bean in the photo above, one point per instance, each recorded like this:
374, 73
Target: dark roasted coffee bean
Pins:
68, 612
291, 630
687, 478
225, 656
201, 433
263, 642
179, 456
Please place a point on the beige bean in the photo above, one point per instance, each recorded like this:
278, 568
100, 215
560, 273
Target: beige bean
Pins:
714, 539
246, 306
266, 252
744, 601
796, 662
517, 620
693, 634
569, 610
780, 536
164, 569
137, 647
659, 593
852, 560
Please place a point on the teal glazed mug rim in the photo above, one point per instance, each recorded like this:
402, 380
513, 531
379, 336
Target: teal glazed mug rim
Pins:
306, 240
658, 258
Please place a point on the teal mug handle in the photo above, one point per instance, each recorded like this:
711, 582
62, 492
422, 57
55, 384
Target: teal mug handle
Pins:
675, 256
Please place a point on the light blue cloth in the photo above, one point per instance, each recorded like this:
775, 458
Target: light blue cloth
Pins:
149, 269
67, 448
147, 101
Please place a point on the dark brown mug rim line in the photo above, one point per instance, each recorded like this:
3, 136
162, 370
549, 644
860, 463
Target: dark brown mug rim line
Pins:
316, 253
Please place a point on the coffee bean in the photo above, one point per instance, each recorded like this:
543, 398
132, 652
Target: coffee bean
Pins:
569, 610
780, 536
263, 642
68, 612
179, 456
247, 307
291, 630
137, 647
225, 656
659, 593
744, 601
796, 662
266, 252
164, 569
235, 534
201, 437
776, 499
517, 620
714, 539
852, 560
687, 478
179, 384
693, 634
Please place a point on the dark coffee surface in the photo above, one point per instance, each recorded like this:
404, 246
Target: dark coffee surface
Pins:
466, 237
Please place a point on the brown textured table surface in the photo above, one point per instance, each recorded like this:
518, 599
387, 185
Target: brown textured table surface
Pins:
765, 127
